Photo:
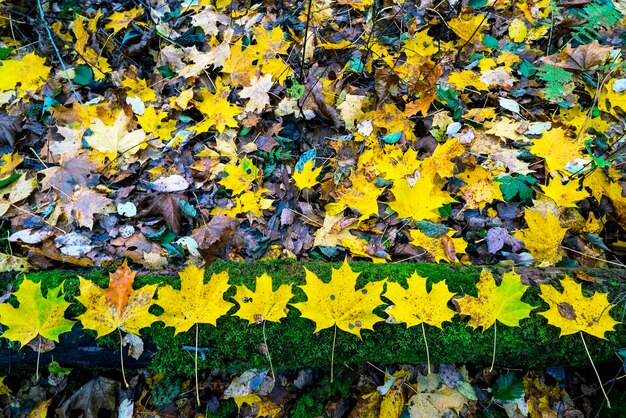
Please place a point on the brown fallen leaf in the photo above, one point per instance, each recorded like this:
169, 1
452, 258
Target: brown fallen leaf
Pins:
581, 58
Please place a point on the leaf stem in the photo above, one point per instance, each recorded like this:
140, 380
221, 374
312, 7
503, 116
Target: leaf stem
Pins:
426, 344
38, 357
608, 403
332, 355
269, 356
122, 357
195, 368
495, 334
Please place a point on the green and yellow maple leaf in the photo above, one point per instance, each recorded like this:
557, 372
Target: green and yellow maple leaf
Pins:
415, 304
240, 175
196, 302
263, 303
118, 306
572, 312
496, 303
339, 303
35, 315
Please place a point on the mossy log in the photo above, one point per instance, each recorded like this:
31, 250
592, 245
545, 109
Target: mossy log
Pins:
235, 345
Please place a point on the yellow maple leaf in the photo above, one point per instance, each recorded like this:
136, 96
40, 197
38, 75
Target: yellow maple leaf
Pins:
518, 30
4, 390
196, 302
239, 64
543, 237
564, 195
263, 304
502, 303
351, 109
118, 306
110, 140
240, 175
270, 43
152, 123
415, 304
29, 72
420, 201
480, 188
467, 78
36, 314
439, 163
556, 148
441, 248
362, 196
218, 112
468, 26
307, 177
389, 119
419, 46
249, 202
139, 88
257, 92
120, 20
339, 303
572, 312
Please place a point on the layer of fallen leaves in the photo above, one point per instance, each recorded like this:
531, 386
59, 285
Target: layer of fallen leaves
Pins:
488, 132
367, 391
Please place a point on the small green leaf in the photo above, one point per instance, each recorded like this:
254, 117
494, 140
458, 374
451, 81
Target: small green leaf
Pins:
508, 387
83, 75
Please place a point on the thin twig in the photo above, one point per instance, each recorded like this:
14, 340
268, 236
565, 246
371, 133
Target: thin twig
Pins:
58, 54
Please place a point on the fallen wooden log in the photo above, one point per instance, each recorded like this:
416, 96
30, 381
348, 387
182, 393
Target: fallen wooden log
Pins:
234, 345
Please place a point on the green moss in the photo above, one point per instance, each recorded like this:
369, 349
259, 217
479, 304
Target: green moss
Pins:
234, 345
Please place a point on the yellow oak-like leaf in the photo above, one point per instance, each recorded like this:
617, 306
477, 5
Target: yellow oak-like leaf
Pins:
339, 303
196, 302
543, 237
35, 315
502, 303
118, 306
307, 177
263, 303
111, 140
29, 72
572, 312
415, 304
420, 201
565, 195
